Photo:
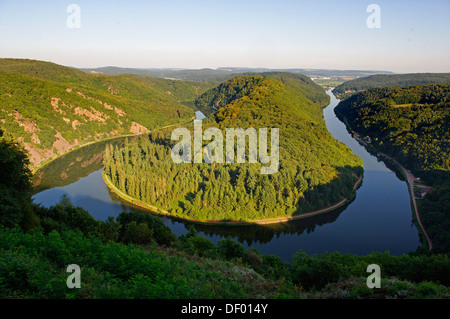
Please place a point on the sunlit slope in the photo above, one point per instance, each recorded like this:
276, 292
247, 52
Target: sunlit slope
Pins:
315, 170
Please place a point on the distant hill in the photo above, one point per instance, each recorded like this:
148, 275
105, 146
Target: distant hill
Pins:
50, 108
225, 73
348, 88
223, 94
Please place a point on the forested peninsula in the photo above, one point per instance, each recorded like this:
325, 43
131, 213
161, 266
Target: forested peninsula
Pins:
315, 171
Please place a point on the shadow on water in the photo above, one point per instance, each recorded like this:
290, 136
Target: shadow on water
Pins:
264, 234
72, 166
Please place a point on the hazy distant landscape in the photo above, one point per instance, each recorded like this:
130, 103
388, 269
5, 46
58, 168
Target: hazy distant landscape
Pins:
225, 73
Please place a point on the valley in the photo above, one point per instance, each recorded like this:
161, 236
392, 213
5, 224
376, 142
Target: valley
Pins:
345, 214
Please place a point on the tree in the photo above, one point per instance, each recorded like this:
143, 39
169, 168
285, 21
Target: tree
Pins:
15, 187
110, 229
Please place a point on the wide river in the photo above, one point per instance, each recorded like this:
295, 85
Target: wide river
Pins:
379, 219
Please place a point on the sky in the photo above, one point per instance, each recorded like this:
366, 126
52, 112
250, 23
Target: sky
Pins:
413, 36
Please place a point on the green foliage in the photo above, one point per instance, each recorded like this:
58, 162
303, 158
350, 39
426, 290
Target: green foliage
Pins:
138, 234
399, 288
315, 170
303, 84
156, 228
230, 249
202, 246
130, 227
193, 244
391, 288
41, 100
65, 216
33, 266
315, 271
110, 229
33, 263
427, 289
15, 187
272, 267
435, 208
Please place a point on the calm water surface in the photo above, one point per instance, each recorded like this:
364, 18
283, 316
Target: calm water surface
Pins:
379, 219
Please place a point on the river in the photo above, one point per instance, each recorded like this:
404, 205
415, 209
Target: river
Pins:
379, 219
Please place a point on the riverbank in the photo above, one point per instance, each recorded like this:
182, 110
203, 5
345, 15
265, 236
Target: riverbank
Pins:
266, 221
408, 176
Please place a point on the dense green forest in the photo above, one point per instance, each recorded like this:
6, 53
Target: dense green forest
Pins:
348, 88
50, 108
315, 171
136, 256
411, 124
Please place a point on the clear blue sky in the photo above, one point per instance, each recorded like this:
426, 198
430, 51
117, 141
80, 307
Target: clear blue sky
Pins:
414, 35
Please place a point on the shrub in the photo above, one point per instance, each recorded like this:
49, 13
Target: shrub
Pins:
230, 249
426, 289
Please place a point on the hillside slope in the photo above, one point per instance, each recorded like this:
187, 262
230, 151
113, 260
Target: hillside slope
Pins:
348, 88
51, 108
315, 171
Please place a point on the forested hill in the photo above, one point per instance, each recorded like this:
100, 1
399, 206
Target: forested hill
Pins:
411, 124
348, 88
50, 108
228, 91
315, 171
